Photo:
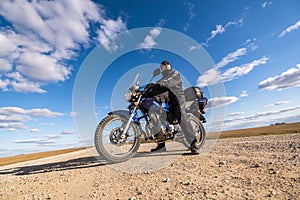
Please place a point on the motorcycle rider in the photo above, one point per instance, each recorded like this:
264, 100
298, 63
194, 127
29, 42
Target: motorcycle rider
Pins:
172, 80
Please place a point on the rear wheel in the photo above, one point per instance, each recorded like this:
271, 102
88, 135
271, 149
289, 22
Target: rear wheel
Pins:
199, 132
110, 141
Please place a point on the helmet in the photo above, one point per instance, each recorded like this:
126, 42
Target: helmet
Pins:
165, 65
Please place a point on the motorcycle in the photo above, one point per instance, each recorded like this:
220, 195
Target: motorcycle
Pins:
118, 136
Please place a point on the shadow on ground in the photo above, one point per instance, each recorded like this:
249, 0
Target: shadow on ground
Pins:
78, 163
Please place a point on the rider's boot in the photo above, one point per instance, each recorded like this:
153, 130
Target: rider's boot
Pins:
161, 147
194, 148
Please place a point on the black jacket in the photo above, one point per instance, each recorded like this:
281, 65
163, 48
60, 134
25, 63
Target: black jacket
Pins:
172, 80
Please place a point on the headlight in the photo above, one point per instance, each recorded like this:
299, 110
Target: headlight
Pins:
136, 87
128, 95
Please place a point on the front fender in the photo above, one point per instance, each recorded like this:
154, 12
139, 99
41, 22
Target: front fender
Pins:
123, 113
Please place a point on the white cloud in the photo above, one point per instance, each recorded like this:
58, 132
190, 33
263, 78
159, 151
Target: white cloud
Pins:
261, 118
187, 27
191, 13
35, 130
108, 32
193, 47
238, 71
13, 118
44, 140
220, 101
35, 141
42, 68
244, 93
235, 114
26, 86
221, 29
67, 132
210, 77
18, 83
5, 65
3, 84
42, 112
231, 57
281, 102
47, 124
265, 4
287, 79
260, 115
42, 35
12, 126
7, 45
289, 29
149, 41
250, 44
276, 104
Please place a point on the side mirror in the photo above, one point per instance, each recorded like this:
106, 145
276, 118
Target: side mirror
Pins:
156, 72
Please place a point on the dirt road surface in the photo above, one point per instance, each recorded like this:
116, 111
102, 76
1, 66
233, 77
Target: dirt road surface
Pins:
264, 167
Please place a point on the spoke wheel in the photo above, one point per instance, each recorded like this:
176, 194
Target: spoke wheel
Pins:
112, 143
199, 132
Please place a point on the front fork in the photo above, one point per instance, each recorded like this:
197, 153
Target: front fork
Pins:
123, 135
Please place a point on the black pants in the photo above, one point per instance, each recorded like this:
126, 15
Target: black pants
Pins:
186, 126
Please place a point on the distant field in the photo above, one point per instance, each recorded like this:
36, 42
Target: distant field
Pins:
266, 130
34, 156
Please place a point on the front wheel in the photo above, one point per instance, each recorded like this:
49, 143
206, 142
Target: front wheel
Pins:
199, 132
112, 144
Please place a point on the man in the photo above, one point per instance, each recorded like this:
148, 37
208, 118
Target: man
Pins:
172, 80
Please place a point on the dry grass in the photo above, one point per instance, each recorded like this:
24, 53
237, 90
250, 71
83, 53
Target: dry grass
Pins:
34, 156
266, 130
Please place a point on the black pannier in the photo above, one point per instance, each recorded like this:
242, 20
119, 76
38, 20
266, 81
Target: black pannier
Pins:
196, 94
193, 93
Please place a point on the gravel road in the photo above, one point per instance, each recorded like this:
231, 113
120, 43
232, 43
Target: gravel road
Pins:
264, 167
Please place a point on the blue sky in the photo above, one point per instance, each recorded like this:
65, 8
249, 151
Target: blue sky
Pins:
255, 46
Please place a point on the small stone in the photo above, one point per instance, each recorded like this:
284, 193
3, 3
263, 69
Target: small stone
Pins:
271, 193
167, 180
256, 165
222, 162
235, 177
250, 182
187, 183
